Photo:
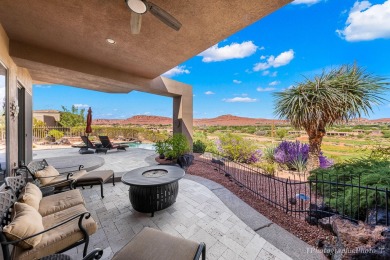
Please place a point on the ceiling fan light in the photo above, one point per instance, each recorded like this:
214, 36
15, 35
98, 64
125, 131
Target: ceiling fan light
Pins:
137, 6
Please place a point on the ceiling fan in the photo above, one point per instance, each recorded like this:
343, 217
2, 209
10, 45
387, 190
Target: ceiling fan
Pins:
139, 7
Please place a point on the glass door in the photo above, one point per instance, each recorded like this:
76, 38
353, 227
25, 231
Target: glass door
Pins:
21, 124
3, 120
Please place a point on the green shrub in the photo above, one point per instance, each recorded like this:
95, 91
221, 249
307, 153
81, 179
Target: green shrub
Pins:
56, 134
281, 133
268, 167
373, 171
161, 147
199, 146
177, 146
386, 133
236, 147
269, 154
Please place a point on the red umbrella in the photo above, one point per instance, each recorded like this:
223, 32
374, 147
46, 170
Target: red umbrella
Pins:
88, 129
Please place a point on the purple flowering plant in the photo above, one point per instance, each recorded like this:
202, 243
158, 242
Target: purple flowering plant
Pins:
288, 152
325, 162
255, 156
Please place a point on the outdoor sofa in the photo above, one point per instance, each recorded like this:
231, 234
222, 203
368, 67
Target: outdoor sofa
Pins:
37, 226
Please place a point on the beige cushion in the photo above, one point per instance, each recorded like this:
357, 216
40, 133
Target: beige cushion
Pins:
61, 179
31, 195
59, 238
46, 175
26, 222
152, 244
60, 201
95, 176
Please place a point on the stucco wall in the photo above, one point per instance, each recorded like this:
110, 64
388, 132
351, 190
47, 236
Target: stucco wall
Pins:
15, 74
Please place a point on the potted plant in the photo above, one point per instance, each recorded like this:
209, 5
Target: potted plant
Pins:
161, 147
179, 148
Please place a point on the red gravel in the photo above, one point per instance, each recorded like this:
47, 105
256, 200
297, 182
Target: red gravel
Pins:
298, 227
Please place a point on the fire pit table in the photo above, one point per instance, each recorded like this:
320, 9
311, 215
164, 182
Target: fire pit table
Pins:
153, 188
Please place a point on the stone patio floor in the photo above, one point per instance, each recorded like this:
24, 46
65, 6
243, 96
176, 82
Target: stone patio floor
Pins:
232, 230
198, 214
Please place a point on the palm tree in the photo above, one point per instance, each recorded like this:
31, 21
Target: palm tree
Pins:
337, 96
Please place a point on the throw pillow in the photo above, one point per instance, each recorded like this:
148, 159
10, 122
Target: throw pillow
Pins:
31, 195
26, 222
46, 175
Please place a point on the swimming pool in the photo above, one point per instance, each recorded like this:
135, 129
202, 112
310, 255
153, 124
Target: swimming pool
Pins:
142, 146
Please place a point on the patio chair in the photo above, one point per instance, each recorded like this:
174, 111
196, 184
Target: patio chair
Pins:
89, 145
152, 244
33, 236
47, 176
106, 143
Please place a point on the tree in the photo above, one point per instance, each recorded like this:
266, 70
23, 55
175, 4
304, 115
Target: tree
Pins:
281, 133
337, 96
38, 123
73, 117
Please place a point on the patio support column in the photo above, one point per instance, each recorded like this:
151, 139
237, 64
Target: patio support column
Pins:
182, 103
182, 116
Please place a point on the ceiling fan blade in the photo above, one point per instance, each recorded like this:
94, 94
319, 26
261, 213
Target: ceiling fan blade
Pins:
135, 23
164, 16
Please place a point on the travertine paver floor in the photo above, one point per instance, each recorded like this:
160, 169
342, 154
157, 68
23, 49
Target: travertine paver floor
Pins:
198, 215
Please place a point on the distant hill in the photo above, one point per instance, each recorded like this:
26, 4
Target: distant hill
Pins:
224, 120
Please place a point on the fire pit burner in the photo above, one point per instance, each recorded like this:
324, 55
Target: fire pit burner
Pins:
155, 173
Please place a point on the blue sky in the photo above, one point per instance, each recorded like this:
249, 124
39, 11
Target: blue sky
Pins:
238, 75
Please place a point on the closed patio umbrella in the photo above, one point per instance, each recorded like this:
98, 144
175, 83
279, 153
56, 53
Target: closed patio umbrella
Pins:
88, 129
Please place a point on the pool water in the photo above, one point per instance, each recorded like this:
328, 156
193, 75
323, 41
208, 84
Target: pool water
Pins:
142, 146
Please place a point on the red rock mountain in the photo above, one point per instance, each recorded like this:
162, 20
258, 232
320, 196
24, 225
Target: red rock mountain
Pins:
228, 120
224, 120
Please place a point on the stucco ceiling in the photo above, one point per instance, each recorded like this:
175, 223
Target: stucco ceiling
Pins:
55, 38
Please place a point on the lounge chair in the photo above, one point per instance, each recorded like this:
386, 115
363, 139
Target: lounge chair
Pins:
152, 244
48, 176
106, 143
90, 145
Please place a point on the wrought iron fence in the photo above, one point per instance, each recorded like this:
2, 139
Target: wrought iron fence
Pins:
311, 199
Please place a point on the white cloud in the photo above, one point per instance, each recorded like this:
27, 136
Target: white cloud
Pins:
260, 89
81, 105
209, 93
176, 71
237, 81
262, 48
262, 57
265, 73
281, 60
367, 22
274, 83
240, 100
306, 2
232, 51
147, 113
274, 74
